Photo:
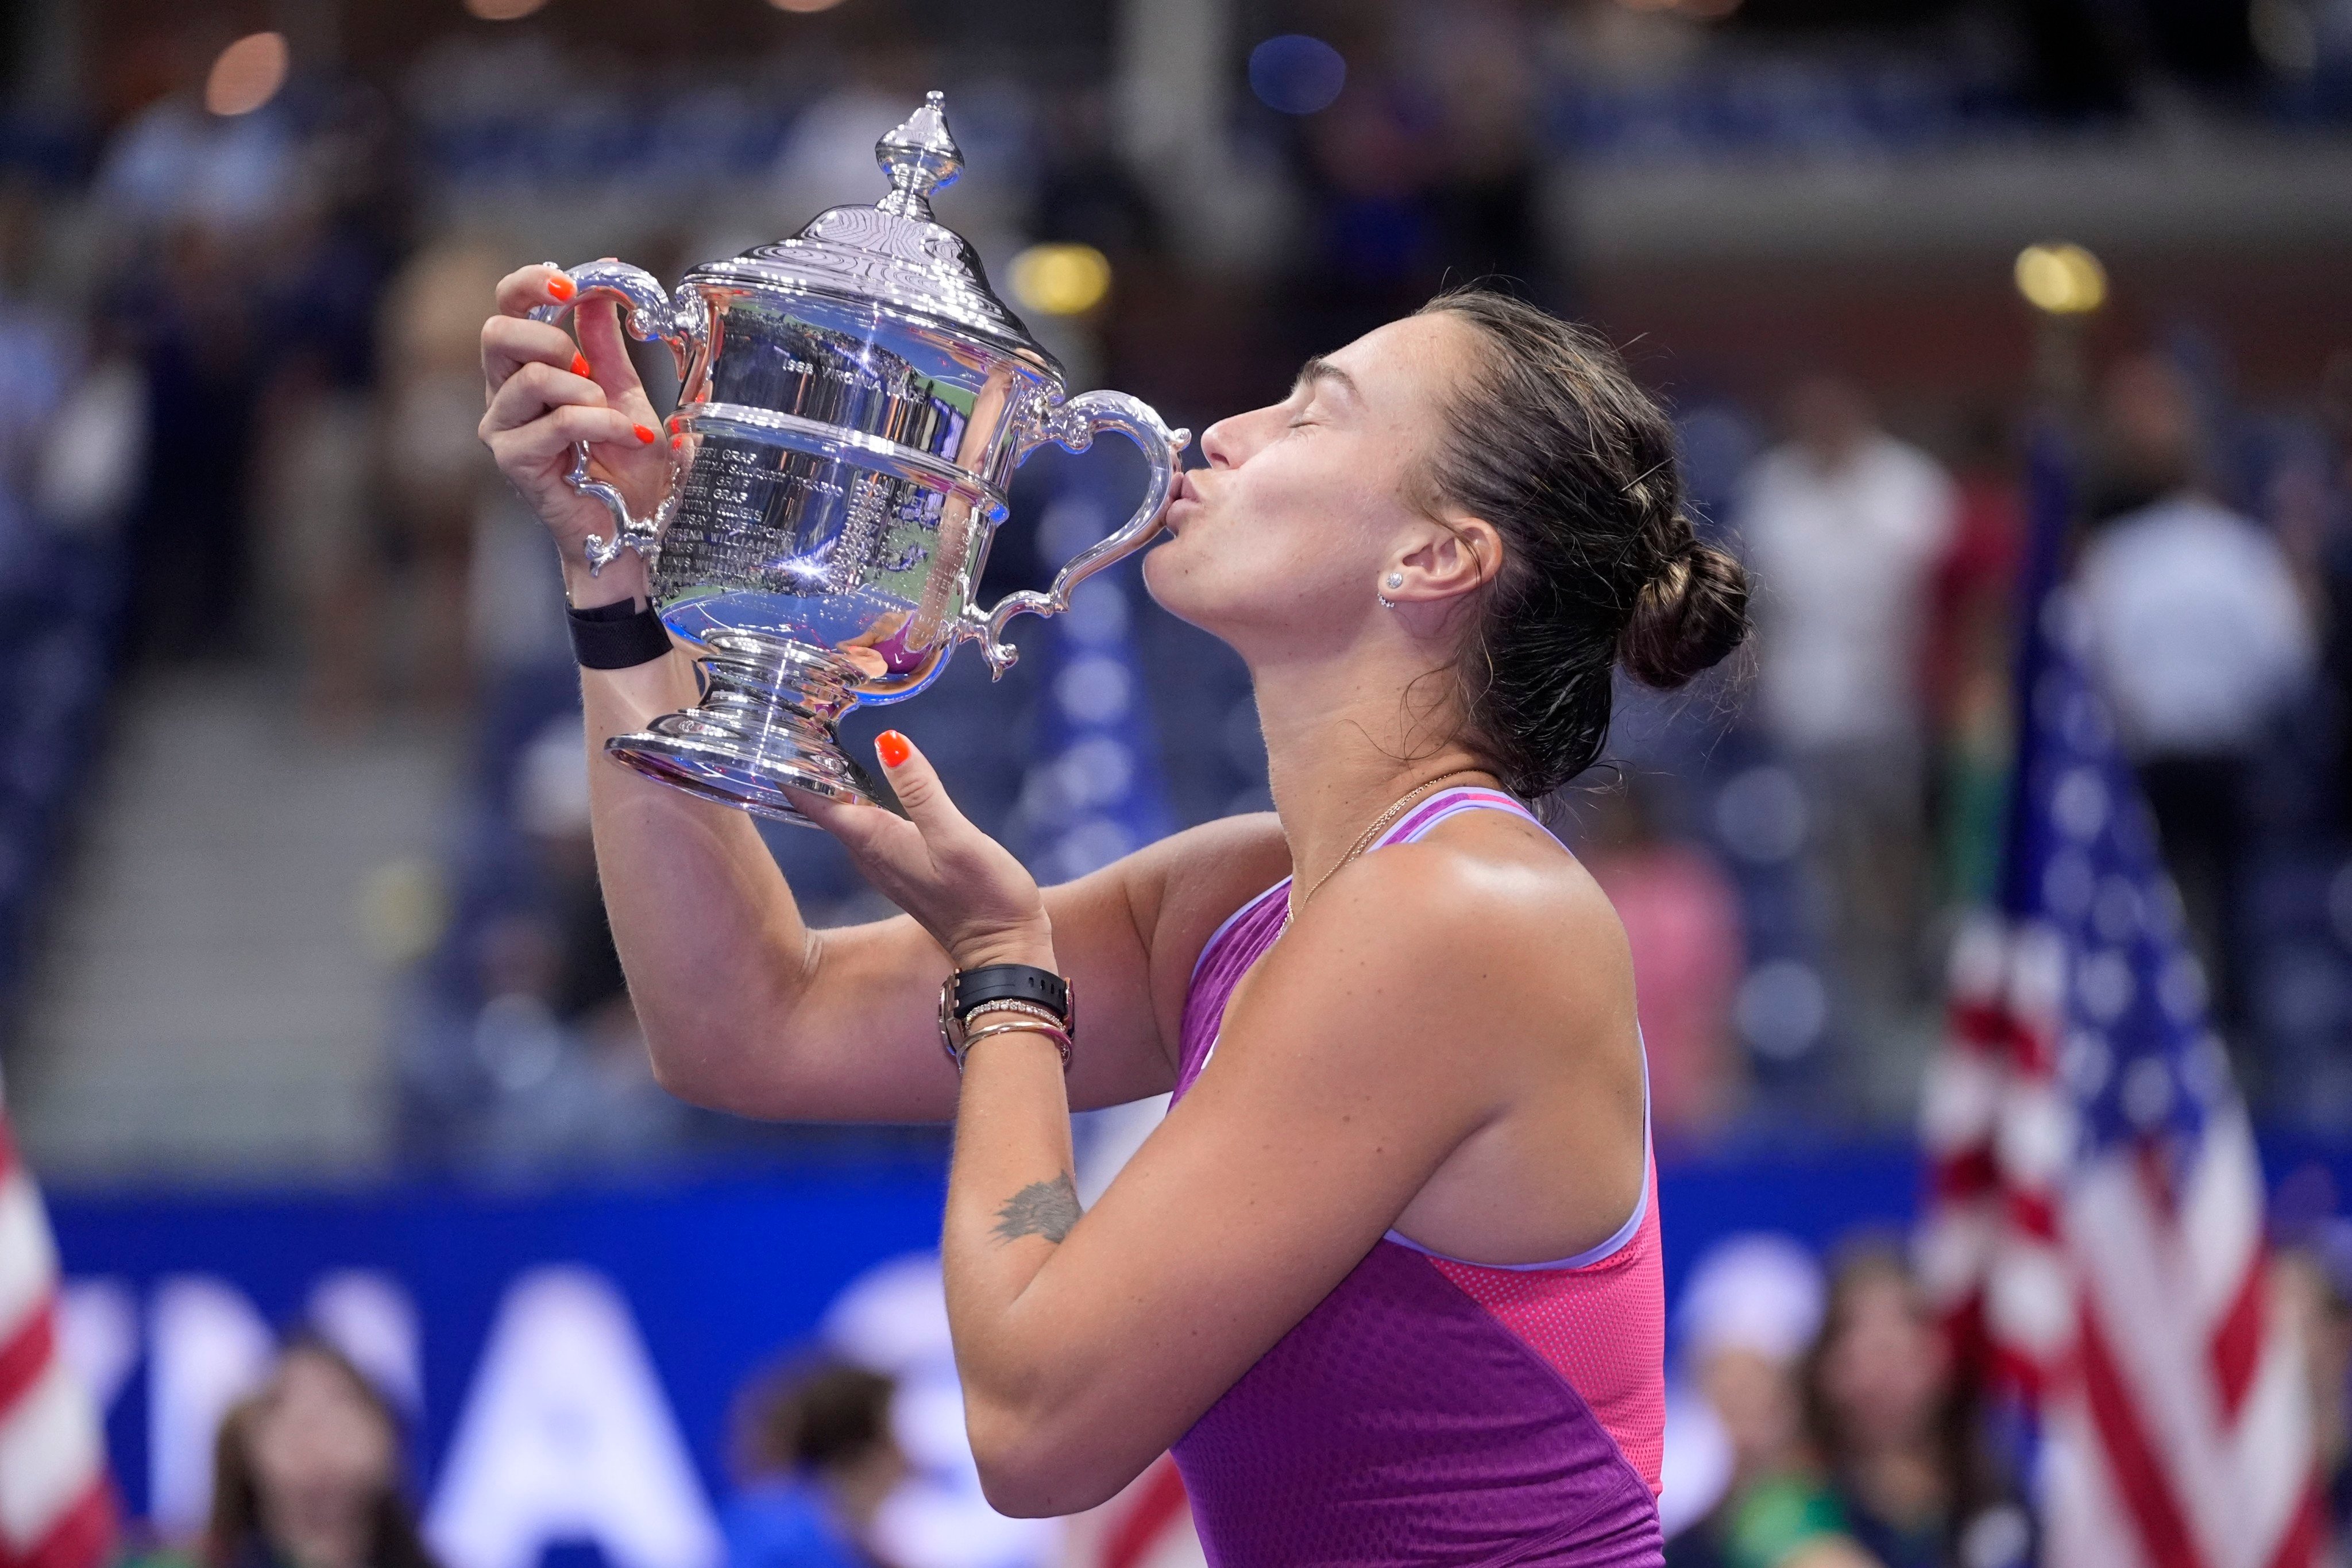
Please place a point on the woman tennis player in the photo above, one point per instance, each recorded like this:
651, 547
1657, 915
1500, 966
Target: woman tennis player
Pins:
1386, 1280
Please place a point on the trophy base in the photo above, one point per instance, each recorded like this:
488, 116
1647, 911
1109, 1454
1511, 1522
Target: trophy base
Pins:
766, 726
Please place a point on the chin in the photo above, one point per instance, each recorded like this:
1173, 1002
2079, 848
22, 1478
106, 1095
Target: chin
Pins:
1221, 598
1165, 583
1198, 590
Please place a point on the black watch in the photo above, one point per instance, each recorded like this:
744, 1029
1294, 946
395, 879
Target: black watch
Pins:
967, 991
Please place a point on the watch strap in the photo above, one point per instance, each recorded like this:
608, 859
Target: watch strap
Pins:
1014, 982
618, 636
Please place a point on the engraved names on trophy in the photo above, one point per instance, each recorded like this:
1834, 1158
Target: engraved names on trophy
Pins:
724, 536
851, 551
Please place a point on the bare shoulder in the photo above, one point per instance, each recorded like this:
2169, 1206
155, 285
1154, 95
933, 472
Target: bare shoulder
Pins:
1475, 992
1490, 873
1493, 922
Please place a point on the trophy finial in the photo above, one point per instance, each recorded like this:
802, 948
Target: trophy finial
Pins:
920, 156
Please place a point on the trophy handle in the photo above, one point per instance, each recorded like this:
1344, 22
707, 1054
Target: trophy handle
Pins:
1073, 427
677, 320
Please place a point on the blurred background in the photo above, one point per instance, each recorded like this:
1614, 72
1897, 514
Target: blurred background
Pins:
310, 1012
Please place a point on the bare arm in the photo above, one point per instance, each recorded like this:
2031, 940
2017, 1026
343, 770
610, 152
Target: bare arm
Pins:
1442, 1025
1411, 1013
749, 1009
744, 1007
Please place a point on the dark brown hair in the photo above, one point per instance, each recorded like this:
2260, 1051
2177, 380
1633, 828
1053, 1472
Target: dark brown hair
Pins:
810, 1415
1963, 1460
238, 1535
1548, 438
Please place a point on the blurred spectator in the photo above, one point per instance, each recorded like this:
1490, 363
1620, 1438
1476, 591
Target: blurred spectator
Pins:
191, 543
97, 446
437, 474
36, 362
2199, 637
2311, 1292
321, 442
176, 165
1897, 1431
555, 1034
816, 1456
1681, 915
1479, 62
1846, 527
1968, 665
317, 474
1751, 1309
307, 1473
1421, 173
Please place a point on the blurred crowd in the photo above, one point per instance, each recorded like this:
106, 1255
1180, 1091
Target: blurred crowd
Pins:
308, 1470
1820, 1414
238, 362
1823, 1417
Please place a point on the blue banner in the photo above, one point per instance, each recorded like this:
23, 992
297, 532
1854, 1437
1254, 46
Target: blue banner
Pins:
569, 1357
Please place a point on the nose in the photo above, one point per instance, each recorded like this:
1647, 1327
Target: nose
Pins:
1217, 444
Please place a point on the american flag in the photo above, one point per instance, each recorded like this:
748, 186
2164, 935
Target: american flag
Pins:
2095, 1231
57, 1504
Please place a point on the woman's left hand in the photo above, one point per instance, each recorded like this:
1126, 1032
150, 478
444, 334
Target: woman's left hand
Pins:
961, 885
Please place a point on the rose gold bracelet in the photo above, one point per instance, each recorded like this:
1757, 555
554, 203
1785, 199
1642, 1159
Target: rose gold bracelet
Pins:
1026, 1009
1051, 1031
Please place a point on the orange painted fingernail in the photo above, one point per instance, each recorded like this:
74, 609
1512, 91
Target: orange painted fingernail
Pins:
676, 442
893, 747
644, 433
561, 287
580, 364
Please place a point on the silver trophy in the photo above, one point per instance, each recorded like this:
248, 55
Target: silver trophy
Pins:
853, 402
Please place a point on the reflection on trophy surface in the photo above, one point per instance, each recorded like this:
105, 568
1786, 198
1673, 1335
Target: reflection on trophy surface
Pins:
853, 402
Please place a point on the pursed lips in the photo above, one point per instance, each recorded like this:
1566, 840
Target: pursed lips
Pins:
1184, 491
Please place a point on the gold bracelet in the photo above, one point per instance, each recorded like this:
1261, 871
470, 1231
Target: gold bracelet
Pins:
1026, 1009
1051, 1031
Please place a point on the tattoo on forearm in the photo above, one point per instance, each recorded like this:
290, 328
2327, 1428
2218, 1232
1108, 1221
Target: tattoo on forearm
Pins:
1042, 1208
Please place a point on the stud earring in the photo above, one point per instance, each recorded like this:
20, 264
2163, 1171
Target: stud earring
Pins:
1396, 579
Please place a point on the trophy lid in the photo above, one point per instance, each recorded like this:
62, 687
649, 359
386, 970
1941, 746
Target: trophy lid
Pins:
893, 252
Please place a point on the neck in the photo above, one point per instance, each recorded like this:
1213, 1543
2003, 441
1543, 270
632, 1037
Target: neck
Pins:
1341, 748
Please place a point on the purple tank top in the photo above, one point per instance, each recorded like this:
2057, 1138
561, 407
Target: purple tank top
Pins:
1401, 1421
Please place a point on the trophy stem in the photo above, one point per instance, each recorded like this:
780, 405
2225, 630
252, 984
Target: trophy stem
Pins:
768, 723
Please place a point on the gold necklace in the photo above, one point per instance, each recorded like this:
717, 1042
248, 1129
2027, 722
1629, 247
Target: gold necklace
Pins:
1363, 841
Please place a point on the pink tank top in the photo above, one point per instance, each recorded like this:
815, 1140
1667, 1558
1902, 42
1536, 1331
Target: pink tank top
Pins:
1431, 1409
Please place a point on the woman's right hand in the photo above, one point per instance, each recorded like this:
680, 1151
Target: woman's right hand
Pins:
545, 396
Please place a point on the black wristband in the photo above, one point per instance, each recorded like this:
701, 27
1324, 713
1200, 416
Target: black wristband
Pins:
618, 636
975, 988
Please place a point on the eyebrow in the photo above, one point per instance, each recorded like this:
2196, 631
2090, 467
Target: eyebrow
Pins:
1318, 369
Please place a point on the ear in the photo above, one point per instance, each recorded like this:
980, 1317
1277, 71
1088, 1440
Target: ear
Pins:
1461, 554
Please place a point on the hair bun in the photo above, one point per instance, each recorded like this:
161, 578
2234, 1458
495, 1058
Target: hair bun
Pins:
1687, 617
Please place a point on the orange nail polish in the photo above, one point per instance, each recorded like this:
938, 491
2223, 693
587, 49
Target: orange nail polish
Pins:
645, 434
561, 287
893, 748
580, 364
676, 442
